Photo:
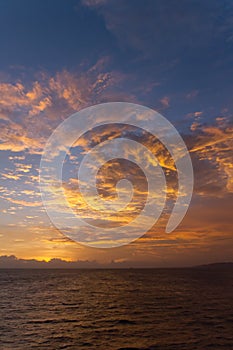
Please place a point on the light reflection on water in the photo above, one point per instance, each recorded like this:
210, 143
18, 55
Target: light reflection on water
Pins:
116, 309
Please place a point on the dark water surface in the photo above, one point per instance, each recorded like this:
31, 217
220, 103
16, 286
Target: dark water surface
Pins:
116, 309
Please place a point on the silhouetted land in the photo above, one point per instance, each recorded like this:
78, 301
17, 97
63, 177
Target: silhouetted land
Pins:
12, 262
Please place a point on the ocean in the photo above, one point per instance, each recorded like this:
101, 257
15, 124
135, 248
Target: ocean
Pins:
169, 309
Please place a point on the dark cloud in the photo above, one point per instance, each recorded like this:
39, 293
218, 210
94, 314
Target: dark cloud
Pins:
13, 262
161, 28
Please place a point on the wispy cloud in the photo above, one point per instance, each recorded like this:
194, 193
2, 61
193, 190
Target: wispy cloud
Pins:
28, 116
214, 144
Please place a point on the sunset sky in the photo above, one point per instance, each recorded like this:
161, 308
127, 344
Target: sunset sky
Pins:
176, 57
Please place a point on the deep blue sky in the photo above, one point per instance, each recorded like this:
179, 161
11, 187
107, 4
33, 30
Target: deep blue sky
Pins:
50, 34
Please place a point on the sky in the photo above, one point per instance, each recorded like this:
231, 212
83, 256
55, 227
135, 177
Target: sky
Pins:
58, 57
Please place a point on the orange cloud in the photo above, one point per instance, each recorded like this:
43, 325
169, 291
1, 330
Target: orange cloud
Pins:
165, 101
28, 116
24, 203
215, 145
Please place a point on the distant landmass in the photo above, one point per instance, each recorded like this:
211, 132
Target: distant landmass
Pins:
12, 262
222, 265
